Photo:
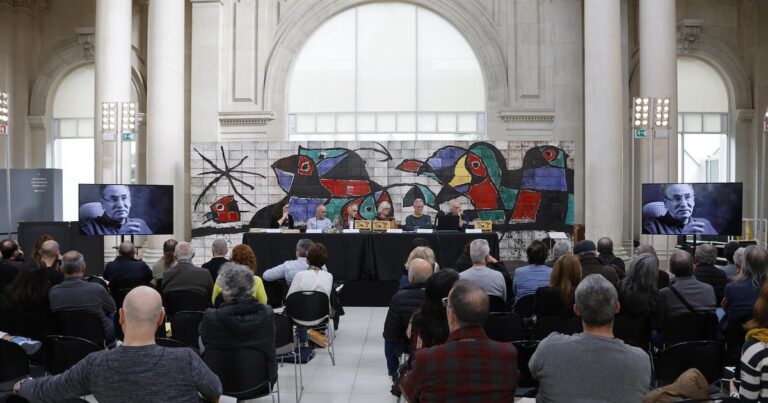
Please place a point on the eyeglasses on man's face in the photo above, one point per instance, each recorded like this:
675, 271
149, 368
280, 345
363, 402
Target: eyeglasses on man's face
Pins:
445, 302
680, 198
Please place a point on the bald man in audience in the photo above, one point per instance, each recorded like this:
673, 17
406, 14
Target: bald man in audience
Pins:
139, 370
51, 257
401, 308
126, 271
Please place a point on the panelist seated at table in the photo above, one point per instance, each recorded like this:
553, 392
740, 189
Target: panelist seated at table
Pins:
348, 220
455, 211
418, 220
319, 221
385, 214
280, 216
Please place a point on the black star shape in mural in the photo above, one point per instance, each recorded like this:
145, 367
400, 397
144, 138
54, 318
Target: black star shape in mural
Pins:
227, 172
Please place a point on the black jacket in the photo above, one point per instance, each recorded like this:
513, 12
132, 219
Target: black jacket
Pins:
609, 259
214, 265
245, 323
126, 272
401, 308
713, 276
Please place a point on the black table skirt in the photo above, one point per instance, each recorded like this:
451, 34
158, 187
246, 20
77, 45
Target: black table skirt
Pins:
364, 256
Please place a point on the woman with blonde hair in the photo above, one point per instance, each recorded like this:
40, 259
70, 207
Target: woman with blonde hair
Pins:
557, 299
420, 252
243, 254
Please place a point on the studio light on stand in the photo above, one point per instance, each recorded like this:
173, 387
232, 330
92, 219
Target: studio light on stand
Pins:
4, 119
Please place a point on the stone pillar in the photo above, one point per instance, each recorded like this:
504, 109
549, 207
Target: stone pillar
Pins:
112, 55
165, 106
603, 126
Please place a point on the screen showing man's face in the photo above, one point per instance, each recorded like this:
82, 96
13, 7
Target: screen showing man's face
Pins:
116, 201
679, 200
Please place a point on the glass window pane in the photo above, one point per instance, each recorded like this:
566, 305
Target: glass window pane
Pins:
305, 123
74, 171
326, 123
366, 122
705, 157
427, 122
713, 123
467, 122
345, 122
406, 122
446, 122
67, 128
692, 122
85, 128
385, 122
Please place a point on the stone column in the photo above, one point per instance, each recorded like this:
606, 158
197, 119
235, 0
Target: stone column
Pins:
165, 106
112, 55
603, 126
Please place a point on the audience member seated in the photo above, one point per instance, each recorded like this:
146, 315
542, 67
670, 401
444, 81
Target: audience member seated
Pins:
30, 346
166, 261
185, 276
241, 321
754, 357
706, 271
591, 264
418, 220
288, 269
126, 272
561, 248
530, 278
319, 221
463, 262
401, 308
9, 265
313, 279
599, 367
638, 292
490, 280
663, 281
557, 299
429, 323
39, 245
742, 293
419, 252
605, 254
700, 296
26, 300
730, 268
243, 255
50, 256
280, 216
384, 213
74, 293
219, 250
738, 259
469, 366
139, 370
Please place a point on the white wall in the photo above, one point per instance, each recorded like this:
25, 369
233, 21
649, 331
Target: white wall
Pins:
700, 88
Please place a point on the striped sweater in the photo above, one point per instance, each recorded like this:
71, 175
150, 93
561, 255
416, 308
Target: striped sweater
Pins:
754, 371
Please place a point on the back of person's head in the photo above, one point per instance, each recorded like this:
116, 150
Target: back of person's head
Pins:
49, 249
566, 275
142, 309
738, 257
422, 252
169, 249
236, 281
645, 248
72, 263
469, 303
243, 254
596, 300
8, 248
760, 310
126, 249
705, 254
30, 286
561, 248
605, 245
419, 241
639, 288
465, 250
729, 249
681, 263
585, 248
430, 320
537, 252
317, 255
184, 251
419, 270
755, 264
479, 250
39, 244
219, 247
302, 247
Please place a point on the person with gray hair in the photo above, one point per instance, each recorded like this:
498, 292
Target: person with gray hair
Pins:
638, 294
75, 293
241, 321
185, 276
700, 296
706, 271
600, 367
561, 248
288, 269
742, 293
491, 280
219, 250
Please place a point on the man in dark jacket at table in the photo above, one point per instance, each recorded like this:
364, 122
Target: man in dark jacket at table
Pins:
706, 271
401, 308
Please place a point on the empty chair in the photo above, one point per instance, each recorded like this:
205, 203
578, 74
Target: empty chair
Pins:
244, 373
178, 301
704, 355
185, 327
524, 306
14, 363
80, 323
62, 352
690, 327
285, 345
548, 324
311, 309
633, 331
504, 326
166, 342
496, 304
525, 350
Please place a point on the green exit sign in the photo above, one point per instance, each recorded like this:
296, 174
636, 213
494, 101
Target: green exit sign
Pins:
128, 136
641, 133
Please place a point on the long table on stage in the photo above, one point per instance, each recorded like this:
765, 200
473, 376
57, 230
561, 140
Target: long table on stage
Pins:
364, 257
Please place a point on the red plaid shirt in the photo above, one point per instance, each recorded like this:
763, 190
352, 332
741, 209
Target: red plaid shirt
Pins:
468, 367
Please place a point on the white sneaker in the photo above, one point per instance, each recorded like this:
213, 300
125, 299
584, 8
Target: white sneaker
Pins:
30, 346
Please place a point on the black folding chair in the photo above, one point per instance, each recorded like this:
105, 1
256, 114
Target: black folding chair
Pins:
549, 324
33, 324
185, 327
525, 350
285, 345
177, 301
633, 331
496, 304
62, 352
704, 355
166, 342
690, 326
244, 373
504, 326
80, 323
14, 364
524, 306
311, 310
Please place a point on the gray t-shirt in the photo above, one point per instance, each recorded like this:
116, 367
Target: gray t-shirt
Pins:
130, 374
588, 368
491, 281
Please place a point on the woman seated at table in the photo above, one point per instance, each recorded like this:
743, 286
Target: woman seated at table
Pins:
280, 216
385, 214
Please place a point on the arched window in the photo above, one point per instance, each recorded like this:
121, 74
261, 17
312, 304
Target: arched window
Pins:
702, 123
386, 71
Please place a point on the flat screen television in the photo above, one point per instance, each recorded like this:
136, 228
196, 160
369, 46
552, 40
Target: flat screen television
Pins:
110, 209
692, 208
